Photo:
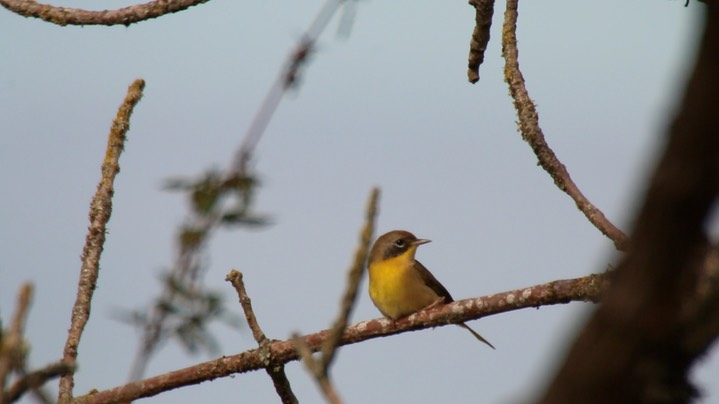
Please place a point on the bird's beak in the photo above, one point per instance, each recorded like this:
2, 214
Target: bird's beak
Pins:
420, 242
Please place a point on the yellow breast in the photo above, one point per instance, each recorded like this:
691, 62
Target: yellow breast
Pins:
396, 288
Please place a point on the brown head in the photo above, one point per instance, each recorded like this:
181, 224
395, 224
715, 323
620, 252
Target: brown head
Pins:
394, 244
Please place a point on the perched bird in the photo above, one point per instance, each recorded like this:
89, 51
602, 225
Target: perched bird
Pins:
399, 285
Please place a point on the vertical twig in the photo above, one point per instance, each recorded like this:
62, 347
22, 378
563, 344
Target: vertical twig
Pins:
532, 133
275, 370
100, 211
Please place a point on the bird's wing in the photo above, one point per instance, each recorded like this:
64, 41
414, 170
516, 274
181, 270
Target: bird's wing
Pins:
432, 282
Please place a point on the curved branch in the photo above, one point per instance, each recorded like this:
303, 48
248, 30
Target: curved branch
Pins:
588, 288
532, 133
75, 16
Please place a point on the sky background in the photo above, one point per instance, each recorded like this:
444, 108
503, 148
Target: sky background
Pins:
389, 106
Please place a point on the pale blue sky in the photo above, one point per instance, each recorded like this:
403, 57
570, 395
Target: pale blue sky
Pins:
390, 106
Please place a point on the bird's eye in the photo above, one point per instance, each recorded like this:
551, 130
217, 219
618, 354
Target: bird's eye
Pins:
399, 243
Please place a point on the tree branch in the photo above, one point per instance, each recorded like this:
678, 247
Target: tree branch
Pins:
100, 211
532, 133
588, 288
75, 16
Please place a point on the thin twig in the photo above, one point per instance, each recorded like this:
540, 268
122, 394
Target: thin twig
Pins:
532, 133
484, 10
319, 368
75, 16
286, 79
584, 289
12, 354
100, 211
36, 379
354, 276
235, 277
276, 371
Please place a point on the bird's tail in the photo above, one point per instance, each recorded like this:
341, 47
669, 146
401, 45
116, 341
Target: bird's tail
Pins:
479, 337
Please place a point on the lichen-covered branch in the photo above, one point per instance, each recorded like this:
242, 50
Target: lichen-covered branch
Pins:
532, 133
585, 289
100, 211
75, 16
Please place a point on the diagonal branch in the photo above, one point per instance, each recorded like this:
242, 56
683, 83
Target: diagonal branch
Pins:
75, 16
354, 276
320, 368
584, 289
532, 133
287, 78
100, 211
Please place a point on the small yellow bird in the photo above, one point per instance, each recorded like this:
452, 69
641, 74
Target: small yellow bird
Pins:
399, 285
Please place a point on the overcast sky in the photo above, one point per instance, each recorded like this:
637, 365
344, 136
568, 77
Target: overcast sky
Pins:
389, 106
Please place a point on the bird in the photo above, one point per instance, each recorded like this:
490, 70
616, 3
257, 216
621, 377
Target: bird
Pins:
399, 285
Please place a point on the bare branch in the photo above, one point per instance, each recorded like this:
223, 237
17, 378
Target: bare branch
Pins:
36, 379
12, 354
585, 289
235, 277
354, 276
276, 371
75, 16
100, 211
320, 368
639, 345
532, 133
480, 36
